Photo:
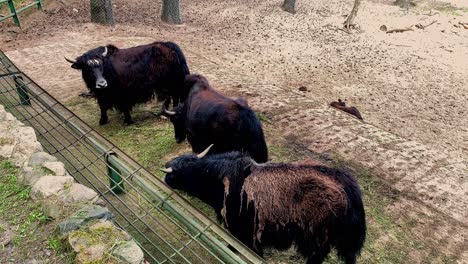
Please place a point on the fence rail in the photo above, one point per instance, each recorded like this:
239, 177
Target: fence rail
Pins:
14, 13
165, 225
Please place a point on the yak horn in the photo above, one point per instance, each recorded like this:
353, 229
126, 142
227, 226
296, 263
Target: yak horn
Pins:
105, 52
166, 170
171, 113
203, 154
70, 61
257, 164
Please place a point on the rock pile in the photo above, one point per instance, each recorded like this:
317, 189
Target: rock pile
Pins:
90, 230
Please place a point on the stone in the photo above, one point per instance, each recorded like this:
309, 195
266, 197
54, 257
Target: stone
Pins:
84, 215
9, 117
303, 89
92, 254
56, 167
52, 208
7, 146
96, 242
27, 144
39, 158
5, 238
30, 175
77, 193
129, 252
47, 186
69, 225
101, 225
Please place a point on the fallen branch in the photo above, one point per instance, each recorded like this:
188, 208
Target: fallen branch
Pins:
350, 110
335, 28
399, 30
464, 25
420, 26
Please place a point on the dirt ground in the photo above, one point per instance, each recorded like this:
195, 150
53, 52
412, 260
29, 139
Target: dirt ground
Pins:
412, 84
411, 88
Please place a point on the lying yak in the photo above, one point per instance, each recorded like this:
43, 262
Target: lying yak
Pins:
122, 78
275, 205
209, 117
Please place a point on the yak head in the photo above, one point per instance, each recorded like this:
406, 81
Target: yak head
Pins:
177, 117
92, 65
178, 170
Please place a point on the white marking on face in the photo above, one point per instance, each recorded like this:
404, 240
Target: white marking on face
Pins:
94, 62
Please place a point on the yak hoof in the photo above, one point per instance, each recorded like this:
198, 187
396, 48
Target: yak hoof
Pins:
103, 121
129, 122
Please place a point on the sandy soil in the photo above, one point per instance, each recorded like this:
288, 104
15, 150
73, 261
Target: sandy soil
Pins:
413, 84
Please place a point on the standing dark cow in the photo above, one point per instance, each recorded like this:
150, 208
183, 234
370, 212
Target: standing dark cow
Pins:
311, 205
209, 117
122, 78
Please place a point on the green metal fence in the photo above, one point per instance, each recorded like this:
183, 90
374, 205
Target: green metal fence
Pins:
14, 12
165, 225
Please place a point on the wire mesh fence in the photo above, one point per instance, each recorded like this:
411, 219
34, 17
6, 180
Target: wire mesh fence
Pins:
102, 11
166, 226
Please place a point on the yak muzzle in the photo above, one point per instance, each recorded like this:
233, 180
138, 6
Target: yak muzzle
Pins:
101, 83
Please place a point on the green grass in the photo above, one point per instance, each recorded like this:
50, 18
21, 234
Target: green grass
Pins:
4, 7
31, 229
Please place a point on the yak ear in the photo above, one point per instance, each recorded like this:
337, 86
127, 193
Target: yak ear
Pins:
109, 50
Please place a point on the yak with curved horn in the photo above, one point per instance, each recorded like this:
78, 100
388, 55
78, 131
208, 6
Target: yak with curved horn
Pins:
122, 78
313, 206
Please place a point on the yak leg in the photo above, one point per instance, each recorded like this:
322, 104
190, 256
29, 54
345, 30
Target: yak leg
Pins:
104, 119
350, 258
319, 256
175, 101
167, 102
127, 117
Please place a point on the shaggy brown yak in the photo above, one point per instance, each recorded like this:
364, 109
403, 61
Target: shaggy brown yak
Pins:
311, 205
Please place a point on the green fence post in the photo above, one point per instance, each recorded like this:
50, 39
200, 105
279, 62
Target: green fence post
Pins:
13, 11
115, 177
39, 4
22, 93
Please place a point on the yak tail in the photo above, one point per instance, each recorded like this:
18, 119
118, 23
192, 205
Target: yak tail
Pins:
253, 135
349, 230
352, 230
180, 56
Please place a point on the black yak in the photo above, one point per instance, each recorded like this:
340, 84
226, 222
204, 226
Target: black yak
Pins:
210, 117
122, 78
310, 205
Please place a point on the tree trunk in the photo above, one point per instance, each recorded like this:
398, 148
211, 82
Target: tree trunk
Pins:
289, 6
171, 12
349, 23
404, 4
101, 12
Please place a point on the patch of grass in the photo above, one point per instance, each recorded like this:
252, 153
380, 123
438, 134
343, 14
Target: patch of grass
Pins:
22, 216
4, 7
263, 118
54, 244
47, 171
